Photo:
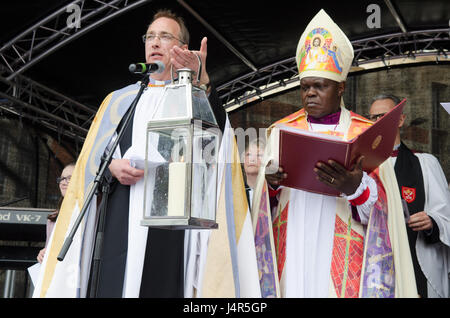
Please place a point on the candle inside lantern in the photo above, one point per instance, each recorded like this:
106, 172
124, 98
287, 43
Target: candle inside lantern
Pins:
177, 186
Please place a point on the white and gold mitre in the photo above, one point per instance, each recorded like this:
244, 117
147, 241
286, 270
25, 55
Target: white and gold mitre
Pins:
324, 50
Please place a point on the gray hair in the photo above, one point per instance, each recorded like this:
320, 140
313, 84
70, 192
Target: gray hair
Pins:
393, 98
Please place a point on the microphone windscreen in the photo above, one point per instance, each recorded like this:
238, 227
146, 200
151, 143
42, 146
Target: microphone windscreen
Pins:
161, 66
132, 68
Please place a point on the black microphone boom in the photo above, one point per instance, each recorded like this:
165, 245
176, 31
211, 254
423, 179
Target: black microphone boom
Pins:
143, 68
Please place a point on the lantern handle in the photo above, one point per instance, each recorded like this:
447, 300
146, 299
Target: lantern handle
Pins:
171, 74
199, 70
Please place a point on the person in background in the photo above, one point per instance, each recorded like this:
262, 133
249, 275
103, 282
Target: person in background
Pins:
63, 183
252, 158
423, 187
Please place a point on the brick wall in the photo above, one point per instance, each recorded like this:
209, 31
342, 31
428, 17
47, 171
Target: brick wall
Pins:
28, 169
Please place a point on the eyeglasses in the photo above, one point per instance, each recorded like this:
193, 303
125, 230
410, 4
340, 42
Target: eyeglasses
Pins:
59, 180
375, 117
163, 37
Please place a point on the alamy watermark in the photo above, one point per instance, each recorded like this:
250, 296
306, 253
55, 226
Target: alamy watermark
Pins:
74, 19
241, 136
374, 19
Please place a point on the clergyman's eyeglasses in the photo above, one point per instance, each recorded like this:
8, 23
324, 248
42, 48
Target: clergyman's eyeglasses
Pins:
163, 37
375, 117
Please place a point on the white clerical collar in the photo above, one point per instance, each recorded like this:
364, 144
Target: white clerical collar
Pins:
155, 82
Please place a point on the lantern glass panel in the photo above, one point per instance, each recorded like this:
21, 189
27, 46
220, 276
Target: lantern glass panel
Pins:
200, 106
204, 173
167, 172
174, 104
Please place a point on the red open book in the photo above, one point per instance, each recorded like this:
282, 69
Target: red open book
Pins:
300, 150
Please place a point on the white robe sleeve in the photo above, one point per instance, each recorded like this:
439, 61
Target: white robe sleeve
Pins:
434, 259
365, 208
437, 194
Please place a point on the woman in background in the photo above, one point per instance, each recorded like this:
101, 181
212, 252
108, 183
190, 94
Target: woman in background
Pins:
63, 182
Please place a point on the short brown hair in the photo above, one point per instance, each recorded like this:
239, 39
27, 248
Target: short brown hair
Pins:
184, 33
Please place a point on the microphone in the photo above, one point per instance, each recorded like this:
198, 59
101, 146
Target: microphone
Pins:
143, 68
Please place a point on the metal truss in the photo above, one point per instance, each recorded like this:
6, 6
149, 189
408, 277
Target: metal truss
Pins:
384, 48
39, 104
258, 83
58, 29
28, 99
402, 45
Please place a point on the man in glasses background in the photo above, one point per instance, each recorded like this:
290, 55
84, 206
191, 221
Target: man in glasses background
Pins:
423, 187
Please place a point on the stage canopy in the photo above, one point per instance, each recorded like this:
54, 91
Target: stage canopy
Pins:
56, 74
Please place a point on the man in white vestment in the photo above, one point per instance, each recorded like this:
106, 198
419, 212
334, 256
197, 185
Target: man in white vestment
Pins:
135, 261
423, 187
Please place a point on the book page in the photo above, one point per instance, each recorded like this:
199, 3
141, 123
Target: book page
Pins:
307, 132
271, 155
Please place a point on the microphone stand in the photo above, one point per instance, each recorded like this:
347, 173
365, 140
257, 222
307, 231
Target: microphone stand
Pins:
106, 160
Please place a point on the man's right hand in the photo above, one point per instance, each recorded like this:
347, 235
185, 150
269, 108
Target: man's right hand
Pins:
126, 174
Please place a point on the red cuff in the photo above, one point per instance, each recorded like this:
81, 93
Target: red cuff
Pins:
362, 198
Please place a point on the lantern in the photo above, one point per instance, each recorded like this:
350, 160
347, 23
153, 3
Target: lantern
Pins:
181, 159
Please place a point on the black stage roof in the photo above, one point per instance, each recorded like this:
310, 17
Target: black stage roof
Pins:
244, 37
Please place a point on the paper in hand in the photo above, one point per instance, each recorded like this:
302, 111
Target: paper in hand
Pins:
137, 161
34, 271
446, 107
